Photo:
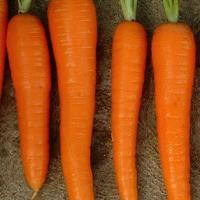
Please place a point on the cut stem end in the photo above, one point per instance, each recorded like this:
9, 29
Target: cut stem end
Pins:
129, 8
24, 6
172, 10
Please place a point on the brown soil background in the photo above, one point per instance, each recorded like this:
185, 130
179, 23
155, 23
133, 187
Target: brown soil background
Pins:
12, 184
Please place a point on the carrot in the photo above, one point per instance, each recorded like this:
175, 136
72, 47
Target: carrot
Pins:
128, 68
3, 26
30, 69
73, 30
173, 54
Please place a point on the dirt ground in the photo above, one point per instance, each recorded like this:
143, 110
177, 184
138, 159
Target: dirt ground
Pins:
12, 184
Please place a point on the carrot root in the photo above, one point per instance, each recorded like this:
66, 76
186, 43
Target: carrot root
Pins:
127, 83
30, 70
34, 195
173, 56
73, 31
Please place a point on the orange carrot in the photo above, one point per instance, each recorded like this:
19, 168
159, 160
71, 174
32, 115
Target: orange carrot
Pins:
3, 26
73, 28
173, 52
128, 68
30, 69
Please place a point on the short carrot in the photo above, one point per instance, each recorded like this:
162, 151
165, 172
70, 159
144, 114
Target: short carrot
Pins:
128, 68
73, 30
30, 69
173, 54
3, 27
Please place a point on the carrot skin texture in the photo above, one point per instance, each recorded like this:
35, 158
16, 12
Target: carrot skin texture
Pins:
73, 29
128, 69
30, 70
3, 27
173, 54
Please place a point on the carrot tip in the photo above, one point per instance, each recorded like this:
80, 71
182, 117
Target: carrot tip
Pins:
34, 195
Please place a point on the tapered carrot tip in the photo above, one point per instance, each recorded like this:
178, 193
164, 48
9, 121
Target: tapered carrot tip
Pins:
34, 195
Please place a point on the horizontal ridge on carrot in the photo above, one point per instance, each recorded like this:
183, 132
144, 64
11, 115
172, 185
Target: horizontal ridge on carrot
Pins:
73, 30
30, 69
3, 27
173, 55
128, 69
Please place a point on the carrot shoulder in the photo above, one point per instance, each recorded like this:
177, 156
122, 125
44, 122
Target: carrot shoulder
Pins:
173, 55
30, 69
73, 28
128, 68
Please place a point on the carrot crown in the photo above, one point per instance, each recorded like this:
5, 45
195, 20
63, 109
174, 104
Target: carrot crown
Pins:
172, 10
129, 8
24, 5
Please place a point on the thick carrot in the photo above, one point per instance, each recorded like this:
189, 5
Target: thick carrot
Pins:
30, 69
128, 68
3, 26
73, 28
173, 52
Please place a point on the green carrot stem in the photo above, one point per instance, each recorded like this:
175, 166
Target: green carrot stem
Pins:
24, 5
129, 8
171, 10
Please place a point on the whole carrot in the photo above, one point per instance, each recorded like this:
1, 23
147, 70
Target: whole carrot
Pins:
3, 26
73, 29
30, 69
173, 52
128, 68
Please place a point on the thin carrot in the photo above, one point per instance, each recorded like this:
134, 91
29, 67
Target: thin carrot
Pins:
173, 52
30, 69
128, 68
3, 26
73, 29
